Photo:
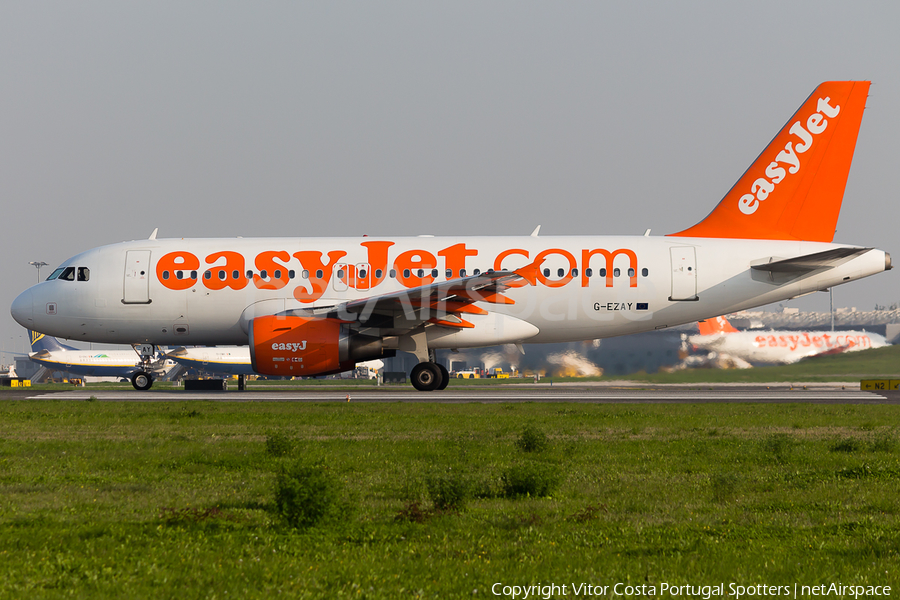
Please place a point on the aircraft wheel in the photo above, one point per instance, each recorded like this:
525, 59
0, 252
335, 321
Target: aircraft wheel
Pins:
426, 377
445, 377
141, 381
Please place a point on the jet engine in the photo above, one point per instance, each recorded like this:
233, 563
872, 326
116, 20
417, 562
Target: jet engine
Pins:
303, 347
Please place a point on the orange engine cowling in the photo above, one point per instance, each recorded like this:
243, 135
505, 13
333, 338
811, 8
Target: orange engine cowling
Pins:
303, 347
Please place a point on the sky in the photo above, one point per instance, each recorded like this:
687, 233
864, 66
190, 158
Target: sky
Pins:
209, 119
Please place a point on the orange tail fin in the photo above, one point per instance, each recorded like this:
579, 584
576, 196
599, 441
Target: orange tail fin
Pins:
714, 326
794, 189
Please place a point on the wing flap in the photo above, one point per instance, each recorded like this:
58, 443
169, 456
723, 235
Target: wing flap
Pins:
439, 303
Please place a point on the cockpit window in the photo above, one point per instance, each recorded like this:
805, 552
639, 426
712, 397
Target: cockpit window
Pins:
55, 274
84, 274
68, 274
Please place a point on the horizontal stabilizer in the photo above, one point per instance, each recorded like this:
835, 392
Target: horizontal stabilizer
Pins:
811, 262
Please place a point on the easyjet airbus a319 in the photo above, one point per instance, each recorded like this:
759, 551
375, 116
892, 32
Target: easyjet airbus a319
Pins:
312, 306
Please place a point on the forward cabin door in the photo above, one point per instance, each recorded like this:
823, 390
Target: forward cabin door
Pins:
137, 277
684, 273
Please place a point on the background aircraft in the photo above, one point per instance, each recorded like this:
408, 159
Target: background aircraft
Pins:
230, 360
786, 346
317, 306
48, 352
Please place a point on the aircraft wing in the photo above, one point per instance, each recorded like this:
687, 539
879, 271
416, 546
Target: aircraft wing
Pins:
810, 262
440, 303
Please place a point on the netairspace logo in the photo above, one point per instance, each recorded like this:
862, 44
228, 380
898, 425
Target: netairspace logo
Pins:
706, 592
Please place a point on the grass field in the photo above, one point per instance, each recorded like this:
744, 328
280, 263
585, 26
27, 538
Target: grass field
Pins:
166, 500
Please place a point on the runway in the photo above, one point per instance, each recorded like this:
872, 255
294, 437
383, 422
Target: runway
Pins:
655, 394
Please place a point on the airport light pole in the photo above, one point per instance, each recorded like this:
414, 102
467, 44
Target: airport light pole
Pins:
38, 264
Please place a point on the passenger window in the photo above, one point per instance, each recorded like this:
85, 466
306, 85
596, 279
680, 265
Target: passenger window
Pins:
362, 273
574, 272
263, 274
602, 272
393, 273
589, 272
434, 272
478, 272
645, 272
462, 272
277, 273
561, 273
546, 272
448, 273
378, 273
207, 275
304, 274
84, 274
631, 272
406, 273
235, 274
166, 275
249, 274
319, 274
222, 275
193, 274
616, 272
291, 274
178, 274
421, 273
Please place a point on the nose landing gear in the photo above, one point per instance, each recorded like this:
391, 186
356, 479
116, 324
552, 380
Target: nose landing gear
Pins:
142, 380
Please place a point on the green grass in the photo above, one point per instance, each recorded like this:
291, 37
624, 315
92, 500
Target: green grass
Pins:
166, 500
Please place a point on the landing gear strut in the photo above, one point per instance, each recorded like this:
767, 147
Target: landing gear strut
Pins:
142, 380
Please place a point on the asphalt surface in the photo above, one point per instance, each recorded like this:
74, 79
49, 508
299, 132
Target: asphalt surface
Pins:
847, 393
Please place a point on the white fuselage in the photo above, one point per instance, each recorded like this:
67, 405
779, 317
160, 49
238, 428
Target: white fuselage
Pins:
206, 291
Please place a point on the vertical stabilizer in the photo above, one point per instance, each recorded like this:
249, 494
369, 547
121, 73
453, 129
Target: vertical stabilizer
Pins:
714, 326
794, 189
40, 342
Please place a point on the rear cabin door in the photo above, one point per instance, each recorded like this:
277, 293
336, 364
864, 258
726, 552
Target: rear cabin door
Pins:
137, 277
684, 273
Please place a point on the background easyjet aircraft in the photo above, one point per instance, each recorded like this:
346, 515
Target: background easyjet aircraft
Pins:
310, 306
787, 346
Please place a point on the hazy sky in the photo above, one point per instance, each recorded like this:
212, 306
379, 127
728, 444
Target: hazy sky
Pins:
392, 118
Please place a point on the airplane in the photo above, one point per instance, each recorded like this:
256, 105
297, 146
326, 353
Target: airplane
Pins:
225, 360
313, 306
228, 360
784, 347
50, 353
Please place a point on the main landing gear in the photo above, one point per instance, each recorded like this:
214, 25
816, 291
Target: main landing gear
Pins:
142, 380
429, 376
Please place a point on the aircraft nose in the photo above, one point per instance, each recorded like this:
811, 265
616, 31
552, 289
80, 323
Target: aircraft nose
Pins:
22, 310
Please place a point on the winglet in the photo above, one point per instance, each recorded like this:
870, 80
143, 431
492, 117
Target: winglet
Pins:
530, 272
794, 189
